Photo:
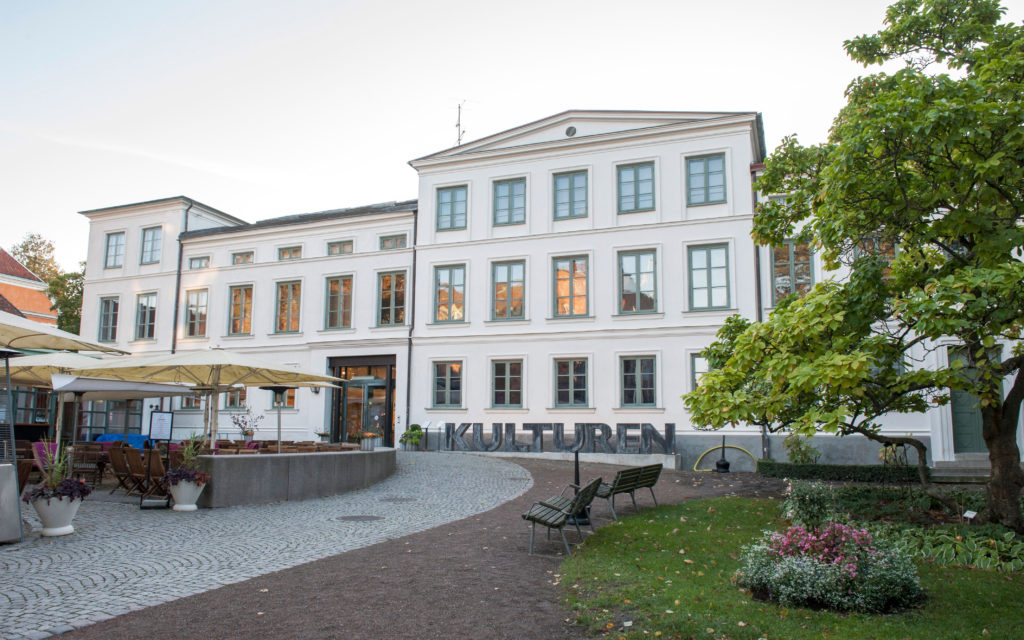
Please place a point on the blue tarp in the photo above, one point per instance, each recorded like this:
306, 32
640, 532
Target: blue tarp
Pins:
133, 439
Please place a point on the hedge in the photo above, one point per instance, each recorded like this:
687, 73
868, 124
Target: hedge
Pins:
840, 472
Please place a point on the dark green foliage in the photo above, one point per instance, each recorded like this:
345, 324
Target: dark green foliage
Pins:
837, 472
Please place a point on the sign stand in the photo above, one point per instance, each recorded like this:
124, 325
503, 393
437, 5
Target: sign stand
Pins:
161, 423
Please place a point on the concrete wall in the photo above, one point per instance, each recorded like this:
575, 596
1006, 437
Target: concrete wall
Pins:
261, 479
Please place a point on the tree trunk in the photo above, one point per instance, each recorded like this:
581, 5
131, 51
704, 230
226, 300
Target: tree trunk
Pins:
1006, 479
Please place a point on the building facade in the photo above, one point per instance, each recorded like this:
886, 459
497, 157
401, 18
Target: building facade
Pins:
568, 271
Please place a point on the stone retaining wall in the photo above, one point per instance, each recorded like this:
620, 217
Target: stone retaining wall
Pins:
260, 479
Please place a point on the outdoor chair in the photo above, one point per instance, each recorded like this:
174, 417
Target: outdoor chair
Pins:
628, 481
136, 470
24, 471
176, 458
43, 451
88, 460
154, 471
558, 511
119, 466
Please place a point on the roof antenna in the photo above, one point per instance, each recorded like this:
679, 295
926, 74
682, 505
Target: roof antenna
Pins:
458, 126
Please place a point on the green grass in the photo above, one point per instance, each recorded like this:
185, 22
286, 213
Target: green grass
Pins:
667, 572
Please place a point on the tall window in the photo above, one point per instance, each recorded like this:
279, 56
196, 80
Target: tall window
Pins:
510, 202
447, 384
191, 403
289, 300
235, 399
242, 257
198, 262
636, 187
145, 316
195, 313
571, 195
791, 270
507, 383
151, 239
571, 382
451, 208
698, 367
637, 381
108, 319
637, 290
571, 287
340, 248
391, 299
705, 180
509, 292
289, 253
115, 250
709, 277
449, 293
240, 322
397, 241
339, 303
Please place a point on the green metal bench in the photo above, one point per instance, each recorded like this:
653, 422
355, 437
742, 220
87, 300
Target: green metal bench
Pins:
558, 511
628, 481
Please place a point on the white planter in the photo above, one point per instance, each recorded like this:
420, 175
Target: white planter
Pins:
406, 446
367, 444
185, 494
56, 514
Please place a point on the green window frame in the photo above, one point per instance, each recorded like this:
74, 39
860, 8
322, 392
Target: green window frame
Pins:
196, 305
240, 312
570, 195
510, 202
243, 257
792, 269
397, 241
698, 367
571, 287
289, 253
507, 384
391, 299
338, 308
198, 262
709, 277
705, 180
450, 293
287, 307
235, 398
339, 248
114, 254
508, 290
451, 208
145, 316
571, 382
636, 187
192, 402
108, 319
447, 385
638, 282
289, 400
151, 242
638, 376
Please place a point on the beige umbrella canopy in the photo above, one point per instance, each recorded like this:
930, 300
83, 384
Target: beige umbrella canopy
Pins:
210, 370
35, 370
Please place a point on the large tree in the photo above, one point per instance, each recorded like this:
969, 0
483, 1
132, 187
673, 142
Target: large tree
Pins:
929, 157
66, 293
37, 254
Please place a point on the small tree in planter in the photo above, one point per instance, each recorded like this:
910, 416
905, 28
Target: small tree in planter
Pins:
57, 498
412, 437
247, 423
185, 482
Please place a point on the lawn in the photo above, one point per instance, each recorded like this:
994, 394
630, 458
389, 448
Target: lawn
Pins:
666, 573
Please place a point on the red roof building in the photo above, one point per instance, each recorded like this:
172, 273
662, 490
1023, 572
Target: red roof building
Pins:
24, 290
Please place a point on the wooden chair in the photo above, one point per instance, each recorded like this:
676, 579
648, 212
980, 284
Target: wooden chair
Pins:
119, 467
136, 470
555, 512
154, 471
87, 461
628, 481
24, 471
176, 459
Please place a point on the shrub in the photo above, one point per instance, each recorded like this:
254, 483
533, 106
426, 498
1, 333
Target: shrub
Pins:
412, 435
835, 567
992, 548
837, 472
799, 449
808, 503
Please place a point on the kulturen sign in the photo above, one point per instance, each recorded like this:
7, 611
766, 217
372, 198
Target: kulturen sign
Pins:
629, 437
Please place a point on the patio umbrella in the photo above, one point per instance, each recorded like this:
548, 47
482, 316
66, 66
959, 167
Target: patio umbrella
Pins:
210, 370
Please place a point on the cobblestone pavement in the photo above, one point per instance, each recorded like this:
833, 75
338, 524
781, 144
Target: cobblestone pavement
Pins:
121, 558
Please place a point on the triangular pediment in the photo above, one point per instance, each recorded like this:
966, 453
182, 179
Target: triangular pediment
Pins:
575, 125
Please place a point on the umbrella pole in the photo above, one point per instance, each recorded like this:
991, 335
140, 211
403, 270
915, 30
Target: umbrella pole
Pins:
214, 418
74, 416
10, 426
279, 425
59, 424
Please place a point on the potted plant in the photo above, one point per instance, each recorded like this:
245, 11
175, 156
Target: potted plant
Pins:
246, 423
368, 440
411, 438
323, 435
57, 498
185, 482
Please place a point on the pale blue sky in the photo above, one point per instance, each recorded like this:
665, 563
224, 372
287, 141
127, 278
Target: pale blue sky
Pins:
266, 108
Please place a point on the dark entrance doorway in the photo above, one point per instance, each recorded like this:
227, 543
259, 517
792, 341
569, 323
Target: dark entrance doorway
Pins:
366, 399
967, 420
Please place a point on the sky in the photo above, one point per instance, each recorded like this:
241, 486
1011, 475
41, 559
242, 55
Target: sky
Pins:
267, 108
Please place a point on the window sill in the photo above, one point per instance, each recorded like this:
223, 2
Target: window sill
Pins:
710, 312
448, 323
571, 318
566, 218
499, 225
450, 229
638, 315
142, 340
285, 334
638, 409
237, 336
500, 321
573, 409
194, 338
506, 410
704, 204
445, 409
336, 330
626, 213
385, 327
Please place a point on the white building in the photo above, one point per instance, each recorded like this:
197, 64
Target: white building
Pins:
566, 271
